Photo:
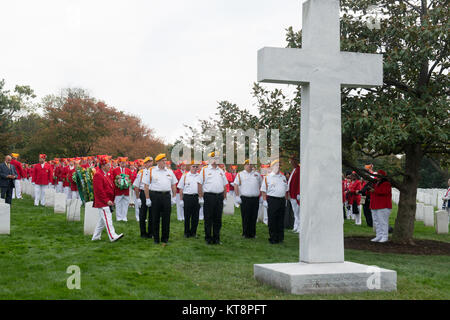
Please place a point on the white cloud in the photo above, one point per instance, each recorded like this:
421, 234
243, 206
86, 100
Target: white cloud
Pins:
168, 62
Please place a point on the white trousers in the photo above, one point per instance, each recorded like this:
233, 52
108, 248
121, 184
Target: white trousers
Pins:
132, 195
180, 210
105, 220
381, 222
200, 213
17, 191
59, 187
121, 203
39, 193
296, 209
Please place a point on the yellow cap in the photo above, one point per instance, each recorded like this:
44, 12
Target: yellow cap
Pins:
213, 154
160, 156
247, 161
274, 162
148, 159
15, 155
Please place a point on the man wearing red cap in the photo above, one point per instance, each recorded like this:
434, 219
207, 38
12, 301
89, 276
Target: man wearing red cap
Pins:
21, 174
103, 200
122, 197
73, 189
42, 177
381, 206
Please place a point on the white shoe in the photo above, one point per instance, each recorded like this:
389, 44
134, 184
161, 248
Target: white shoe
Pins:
383, 240
376, 239
117, 238
96, 239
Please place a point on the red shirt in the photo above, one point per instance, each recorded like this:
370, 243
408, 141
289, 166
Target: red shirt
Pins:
381, 196
117, 171
133, 175
230, 177
354, 186
178, 174
103, 189
294, 184
42, 175
20, 171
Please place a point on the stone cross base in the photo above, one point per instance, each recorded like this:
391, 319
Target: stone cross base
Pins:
317, 278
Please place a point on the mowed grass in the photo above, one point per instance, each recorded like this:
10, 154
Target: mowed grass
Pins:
35, 257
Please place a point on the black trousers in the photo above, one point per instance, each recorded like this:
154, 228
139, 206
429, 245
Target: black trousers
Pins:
212, 212
145, 213
249, 213
368, 212
6, 193
275, 213
355, 208
161, 207
191, 211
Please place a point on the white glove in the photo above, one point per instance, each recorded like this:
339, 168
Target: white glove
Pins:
224, 202
181, 203
265, 204
298, 197
260, 200
238, 200
138, 203
32, 183
148, 202
173, 200
49, 184
201, 201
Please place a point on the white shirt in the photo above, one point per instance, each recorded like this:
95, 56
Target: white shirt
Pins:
189, 183
213, 180
249, 183
275, 185
142, 176
160, 179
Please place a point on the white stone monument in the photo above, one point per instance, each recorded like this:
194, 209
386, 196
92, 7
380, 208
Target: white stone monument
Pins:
442, 220
419, 211
90, 218
428, 216
74, 210
49, 197
60, 203
2, 200
5, 218
228, 208
321, 69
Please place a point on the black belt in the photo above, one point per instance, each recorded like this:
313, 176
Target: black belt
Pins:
214, 194
160, 192
249, 197
276, 198
189, 195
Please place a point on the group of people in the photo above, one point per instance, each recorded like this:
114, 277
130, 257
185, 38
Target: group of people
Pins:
199, 190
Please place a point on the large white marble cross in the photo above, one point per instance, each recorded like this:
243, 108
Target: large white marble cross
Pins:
321, 69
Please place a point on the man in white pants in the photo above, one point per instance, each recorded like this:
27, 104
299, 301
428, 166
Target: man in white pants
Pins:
381, 206
42, 177
103, 200
122, 198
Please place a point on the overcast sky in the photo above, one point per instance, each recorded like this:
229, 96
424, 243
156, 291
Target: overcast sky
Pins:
168, 62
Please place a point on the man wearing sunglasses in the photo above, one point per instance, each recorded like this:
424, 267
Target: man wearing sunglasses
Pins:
189, 200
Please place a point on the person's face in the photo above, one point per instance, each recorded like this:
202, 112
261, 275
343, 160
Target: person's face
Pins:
106, 167
247, 167
213, 161
194, 168
41, 160
161, 163
8, 159
148, 164
276, 168
122, 164
183, 167
71, 163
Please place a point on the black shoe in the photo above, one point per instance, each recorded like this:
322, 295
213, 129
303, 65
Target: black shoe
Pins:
145, 236
186, 235
156, 242
209, 242
165, 243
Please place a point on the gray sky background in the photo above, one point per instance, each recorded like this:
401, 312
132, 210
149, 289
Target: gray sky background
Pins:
168, 62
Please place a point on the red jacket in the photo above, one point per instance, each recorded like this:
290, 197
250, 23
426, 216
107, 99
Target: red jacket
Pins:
381, 196
117, 171
354, 186
19, 169
178, 174
42, 175
294, 185
103, 189
73, 185
230, 177
64, 173
133, 175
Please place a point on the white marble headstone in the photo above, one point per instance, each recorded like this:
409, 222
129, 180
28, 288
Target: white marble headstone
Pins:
90, 218
428, 216
442, 220
5, 218
49, 197
228, 208
419, 211
73, 210
60, 203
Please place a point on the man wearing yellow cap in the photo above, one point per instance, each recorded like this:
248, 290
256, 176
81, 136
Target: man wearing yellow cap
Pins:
145, 212
160, 191
212, 191
189, 200
17, 192
275, 189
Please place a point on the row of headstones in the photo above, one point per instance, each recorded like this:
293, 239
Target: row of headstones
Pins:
431, 197
70, 207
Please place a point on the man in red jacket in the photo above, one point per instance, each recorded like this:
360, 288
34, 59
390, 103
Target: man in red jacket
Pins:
178, 174
42, 178
381, 206
21, 174
294, 191
354, 197
122, 196
103, 200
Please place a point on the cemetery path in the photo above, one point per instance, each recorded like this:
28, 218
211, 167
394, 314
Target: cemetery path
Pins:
420, 247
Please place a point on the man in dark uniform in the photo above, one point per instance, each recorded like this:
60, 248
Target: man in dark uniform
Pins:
7, 176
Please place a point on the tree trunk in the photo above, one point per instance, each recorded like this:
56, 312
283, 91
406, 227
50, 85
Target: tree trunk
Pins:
404, 224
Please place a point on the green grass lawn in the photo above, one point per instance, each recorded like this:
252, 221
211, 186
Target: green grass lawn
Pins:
35, 257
